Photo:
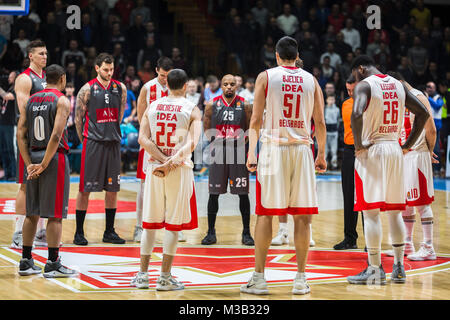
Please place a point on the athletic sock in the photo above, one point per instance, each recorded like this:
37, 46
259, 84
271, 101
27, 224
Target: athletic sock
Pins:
26, 252
53, 254
427, 228
244, 207
283, 226
165, 274
110, 216
80, 215
399, 250
213, 208
409, 226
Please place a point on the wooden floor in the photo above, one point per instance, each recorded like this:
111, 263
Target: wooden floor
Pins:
327, 231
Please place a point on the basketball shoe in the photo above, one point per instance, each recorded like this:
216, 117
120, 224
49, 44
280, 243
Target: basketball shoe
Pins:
281, 238
54, 269
140, 280
398, 274
256, 285
168, 284
300, 284
426, 252
111, 236
79, 239
370, 275
16, 240
210, 238
137, 234
247, 239
28, 268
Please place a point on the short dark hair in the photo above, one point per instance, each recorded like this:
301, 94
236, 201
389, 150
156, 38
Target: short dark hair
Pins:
287, 48
396, 75
351, 79
362, 60
53, 73
164, 63
176, 79
104, 57
250, 80
211, 78
38, 43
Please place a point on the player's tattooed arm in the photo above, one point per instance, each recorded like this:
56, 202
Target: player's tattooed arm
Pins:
81, 108
141, 103
207, 120
62, 115
421, 116
361, 96
146, 142
123, 104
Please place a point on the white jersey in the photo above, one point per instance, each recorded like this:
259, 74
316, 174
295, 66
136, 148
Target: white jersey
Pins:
383, 116
169, 120
421, 142
289, 106
155, 91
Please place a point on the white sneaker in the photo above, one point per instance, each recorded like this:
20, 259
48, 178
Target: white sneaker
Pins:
168, 284
409, 249
312, 243
181, 237
40, 239
137, 234
281, 238
300, 284
426, 252
255, 286
140, 280
17, 240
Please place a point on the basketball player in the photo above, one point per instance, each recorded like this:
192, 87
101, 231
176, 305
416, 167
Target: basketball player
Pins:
150, 91
42, 141
226, 119
101, 102
282, 236
286, 182
378, 111
170, 129
418, 180
29, 82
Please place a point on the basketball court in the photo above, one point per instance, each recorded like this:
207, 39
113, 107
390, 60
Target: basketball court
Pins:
216, 272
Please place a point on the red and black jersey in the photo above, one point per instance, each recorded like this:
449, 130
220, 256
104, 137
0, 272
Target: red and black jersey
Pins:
38, 83
227, 119
102, 121
41, 113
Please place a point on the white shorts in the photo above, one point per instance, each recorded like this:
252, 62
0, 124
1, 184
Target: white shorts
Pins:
170, 202
379, 178
418, 178
286, 181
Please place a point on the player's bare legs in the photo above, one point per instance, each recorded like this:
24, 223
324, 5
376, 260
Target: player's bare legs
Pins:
82, 200
20, 210
263, 237
29, 230
54, 232
302, 225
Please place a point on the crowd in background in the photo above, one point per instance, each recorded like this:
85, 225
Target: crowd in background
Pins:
412, 40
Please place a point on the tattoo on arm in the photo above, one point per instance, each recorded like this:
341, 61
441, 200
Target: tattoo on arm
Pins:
123, 105
81, 108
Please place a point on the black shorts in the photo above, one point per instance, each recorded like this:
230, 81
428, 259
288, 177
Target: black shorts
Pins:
100, 166
231, 170
48, 195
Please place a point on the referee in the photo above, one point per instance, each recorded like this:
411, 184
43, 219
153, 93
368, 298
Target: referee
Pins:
348, 173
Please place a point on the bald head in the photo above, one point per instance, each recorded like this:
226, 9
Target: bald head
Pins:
229, 86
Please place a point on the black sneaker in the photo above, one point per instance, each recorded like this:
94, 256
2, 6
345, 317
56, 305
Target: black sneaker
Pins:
27, 267
398, 274
112, 237
54, 269
80, 240
210, 238
344, 245
247, 239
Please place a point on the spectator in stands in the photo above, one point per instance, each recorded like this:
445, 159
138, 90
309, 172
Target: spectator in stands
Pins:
73, 54
3, 46
74, 141
261, 14
249, 92
51, 35
351, 36
287, 21
418, 59
339, 87
336, 18
400, 48
433, 72
142, 10
238, 80
436, 103
335, 59
22, 41
191, 92
60, 15
268, 58
300, 10
327, 69
273, 30
300, 35
130, 113
405, 69
152, 32
383, 58
150, 52
237, 42
345, 67
213, 90
322, 12
178, 61
317, 73
373, 47
421, 14
131, 80
117, 36
146, 73
5, 26
137, 34
316, 24
436, 31
120, 61
123, 8
73, 76
340, 46
309, 52
7, 123
329, 36
330, 91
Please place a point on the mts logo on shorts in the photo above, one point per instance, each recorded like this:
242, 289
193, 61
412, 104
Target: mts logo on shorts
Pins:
107, 115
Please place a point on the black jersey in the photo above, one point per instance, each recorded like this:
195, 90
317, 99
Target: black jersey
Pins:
102, 121
38, 83
229, 120
41, 113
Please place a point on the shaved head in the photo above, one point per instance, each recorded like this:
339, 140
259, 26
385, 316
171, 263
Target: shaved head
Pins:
229, 86
228, 77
